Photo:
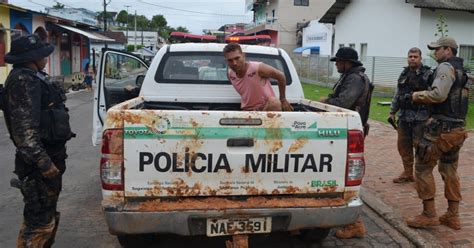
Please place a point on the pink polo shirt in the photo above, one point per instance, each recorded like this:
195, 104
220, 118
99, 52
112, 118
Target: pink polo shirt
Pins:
253, 89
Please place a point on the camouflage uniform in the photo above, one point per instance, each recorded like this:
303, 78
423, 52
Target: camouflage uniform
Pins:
442, 139
38, 123
411, 117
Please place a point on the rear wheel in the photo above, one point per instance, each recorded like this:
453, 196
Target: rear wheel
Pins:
314, 234
136, 240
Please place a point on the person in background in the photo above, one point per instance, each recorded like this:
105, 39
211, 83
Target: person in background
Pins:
89, 76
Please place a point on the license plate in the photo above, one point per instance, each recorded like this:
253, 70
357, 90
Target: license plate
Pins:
231, 226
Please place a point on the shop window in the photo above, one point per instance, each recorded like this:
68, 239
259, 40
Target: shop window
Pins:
301, 2
363, 51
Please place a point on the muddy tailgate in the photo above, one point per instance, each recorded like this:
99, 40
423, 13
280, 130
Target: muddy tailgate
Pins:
202, 153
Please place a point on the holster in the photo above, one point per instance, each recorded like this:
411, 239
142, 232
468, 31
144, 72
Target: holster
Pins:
427, 149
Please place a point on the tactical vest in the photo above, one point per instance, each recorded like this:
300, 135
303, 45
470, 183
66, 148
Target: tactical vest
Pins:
455, 106
407, 85
54, 121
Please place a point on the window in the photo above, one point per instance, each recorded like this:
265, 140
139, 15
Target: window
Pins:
207, 68
301, 2
352, 45
466, 52
341, 45
363, 51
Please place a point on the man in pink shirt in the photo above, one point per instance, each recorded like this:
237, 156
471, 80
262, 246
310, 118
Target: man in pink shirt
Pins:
252, 82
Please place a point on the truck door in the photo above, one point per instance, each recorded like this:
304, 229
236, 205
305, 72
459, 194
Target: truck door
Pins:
119, 78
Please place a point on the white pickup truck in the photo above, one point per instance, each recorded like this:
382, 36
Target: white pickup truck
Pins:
179, 156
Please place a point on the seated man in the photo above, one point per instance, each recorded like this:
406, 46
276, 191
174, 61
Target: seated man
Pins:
252, 81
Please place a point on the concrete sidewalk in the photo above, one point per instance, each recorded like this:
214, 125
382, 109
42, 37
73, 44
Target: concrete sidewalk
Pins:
395, 202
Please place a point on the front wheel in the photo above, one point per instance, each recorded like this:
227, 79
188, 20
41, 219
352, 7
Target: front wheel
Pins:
136, 240
314, 234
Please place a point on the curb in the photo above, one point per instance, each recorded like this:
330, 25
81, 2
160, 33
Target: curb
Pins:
418, 237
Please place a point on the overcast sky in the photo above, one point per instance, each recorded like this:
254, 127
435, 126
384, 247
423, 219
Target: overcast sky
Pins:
195, 15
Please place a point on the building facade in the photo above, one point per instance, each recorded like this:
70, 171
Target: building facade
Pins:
279, 19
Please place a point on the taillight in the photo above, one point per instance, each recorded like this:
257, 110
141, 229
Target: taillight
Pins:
111, 162
355, 167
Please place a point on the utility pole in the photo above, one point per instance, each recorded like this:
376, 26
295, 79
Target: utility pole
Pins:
135, 43
105, 18
127, 6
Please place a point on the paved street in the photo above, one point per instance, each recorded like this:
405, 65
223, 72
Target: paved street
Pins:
82, 223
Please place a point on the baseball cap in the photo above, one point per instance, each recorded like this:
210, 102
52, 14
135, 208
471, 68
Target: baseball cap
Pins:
443, 42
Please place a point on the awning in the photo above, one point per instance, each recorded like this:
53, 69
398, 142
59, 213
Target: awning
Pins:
85, 33
313, 49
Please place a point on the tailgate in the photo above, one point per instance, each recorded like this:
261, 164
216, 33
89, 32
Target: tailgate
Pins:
204, 153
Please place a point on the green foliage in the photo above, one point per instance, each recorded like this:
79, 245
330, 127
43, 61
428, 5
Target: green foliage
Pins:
122, 16
158, 22
377, 112
130, 48
182, 29
441, 26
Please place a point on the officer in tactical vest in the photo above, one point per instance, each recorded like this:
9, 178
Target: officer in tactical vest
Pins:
38, 123
443, 136
411, 116
352, 91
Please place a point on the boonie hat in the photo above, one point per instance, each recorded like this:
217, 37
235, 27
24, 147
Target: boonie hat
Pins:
443, 42
347, 53
28, 48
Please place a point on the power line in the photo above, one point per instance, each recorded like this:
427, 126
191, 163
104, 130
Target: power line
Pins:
188, 11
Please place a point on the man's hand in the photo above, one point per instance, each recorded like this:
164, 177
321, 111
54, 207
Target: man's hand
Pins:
392, 117
51, 172
285, 105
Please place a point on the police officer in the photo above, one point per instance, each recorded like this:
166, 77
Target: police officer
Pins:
443, 136
411, 117
352, 91
38, 123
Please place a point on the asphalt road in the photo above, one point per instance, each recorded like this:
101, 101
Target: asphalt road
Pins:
82, 223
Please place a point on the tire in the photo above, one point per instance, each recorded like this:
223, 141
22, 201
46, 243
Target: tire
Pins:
137, 240
315, 234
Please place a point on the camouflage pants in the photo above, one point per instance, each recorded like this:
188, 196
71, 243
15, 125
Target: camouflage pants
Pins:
40, 218
442, 149
409, 136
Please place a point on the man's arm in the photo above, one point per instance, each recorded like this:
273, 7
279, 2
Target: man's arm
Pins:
444, 79
350, 91
25, 110
267, 71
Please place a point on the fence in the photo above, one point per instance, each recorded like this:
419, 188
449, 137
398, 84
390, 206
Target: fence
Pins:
382, 71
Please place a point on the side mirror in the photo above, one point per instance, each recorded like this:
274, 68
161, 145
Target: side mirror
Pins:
139, 80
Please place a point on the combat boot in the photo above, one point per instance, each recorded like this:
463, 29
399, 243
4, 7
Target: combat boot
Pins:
427, 218
406, 176
451, 217
356, 230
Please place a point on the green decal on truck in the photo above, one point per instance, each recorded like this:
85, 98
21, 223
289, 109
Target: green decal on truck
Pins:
227, 132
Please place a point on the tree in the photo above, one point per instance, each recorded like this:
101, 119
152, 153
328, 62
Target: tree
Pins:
441, 26
122, 16
58, 5
182, 29
158, 22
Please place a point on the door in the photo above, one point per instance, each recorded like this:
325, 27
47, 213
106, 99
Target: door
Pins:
119, 78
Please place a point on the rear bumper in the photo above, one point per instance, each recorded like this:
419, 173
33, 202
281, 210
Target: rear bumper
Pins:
193, 222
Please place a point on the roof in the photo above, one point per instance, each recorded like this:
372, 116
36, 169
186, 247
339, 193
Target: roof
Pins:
334, 11
456, 5
459, 5
119, 37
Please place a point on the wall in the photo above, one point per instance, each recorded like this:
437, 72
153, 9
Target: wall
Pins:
5, 21
390, 28
460, 27
20, 17
316, 31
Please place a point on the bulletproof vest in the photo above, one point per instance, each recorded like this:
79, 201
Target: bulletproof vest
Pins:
456, 105
410, 82
54, 122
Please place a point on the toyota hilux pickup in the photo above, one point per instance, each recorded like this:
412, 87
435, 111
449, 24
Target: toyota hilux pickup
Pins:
179, 156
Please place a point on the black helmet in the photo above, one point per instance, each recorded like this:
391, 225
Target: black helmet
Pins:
347, 53
28, 48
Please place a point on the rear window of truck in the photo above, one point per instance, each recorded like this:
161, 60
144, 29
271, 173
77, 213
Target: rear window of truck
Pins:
207, 68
